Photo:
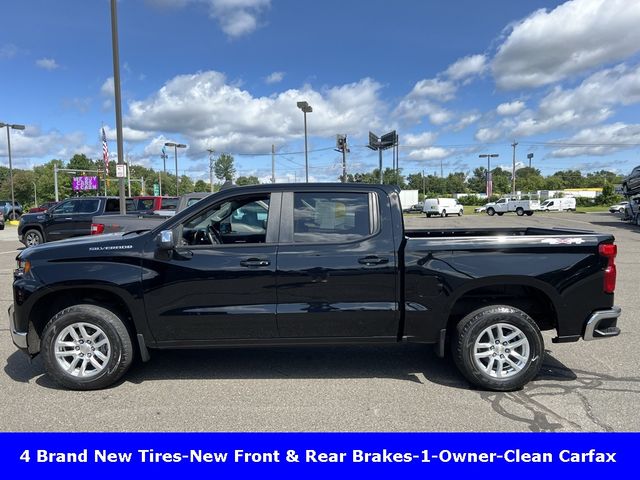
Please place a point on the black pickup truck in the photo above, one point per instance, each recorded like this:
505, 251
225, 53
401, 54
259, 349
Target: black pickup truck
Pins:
69, 218
296, 264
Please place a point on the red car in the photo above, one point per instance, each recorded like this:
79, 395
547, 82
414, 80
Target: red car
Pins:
148, 204
42, 208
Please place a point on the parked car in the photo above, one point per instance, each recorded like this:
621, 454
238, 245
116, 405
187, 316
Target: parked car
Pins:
618, 207
442, 206
10, 212
140, 220
42, 208
1, 221
416, 208
308, 264
481, 209
506, 204
70, 218
148, 204
558, 204
631, 184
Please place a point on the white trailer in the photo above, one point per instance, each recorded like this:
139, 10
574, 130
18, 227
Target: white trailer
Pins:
506, 204
408, 198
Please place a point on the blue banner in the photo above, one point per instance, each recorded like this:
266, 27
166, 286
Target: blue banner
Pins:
588, 455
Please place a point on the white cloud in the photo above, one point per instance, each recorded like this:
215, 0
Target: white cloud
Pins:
128, 134
600, 140
416, 109
33, 142
275, 77
467, 66
429, 153
433, 88
549, 46
465, 121
487, 134
209, 112
107, 88
591, 102
511, 108
418, 140
47, 63
237, 17
8, 51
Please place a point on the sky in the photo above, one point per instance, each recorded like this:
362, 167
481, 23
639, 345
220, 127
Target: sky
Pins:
455, 79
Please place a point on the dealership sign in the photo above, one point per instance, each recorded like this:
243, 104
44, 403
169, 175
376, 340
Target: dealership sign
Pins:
85, 183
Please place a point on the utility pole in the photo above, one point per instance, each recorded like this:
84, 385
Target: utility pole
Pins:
55, 180
211, 166
118, 100
513, 171
341, 146
273, 163
424, 191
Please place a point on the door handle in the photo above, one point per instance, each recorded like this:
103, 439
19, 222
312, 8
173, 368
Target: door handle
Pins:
255, 262
372, 260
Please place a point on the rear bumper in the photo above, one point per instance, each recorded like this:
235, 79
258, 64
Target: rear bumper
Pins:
19, 338
602, 324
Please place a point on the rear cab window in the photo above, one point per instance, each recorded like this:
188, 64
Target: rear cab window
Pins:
331, 217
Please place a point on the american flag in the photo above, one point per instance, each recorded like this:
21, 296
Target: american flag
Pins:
105, 152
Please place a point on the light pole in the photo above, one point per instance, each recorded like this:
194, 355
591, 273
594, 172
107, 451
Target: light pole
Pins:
489, 156
9, 126
529, 156
306, 108
513, 170
35, 194
211, 166
164, 157
176, 146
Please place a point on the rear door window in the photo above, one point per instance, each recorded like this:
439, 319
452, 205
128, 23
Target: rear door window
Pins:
330, 217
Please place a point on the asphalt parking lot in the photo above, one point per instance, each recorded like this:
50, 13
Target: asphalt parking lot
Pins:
584, 386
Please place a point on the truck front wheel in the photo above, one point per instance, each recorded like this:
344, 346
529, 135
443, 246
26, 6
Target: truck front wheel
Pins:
86, 347
491, 212
520, 211
32, 237
498, 348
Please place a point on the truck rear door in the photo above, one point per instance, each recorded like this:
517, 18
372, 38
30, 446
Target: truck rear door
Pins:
337, 266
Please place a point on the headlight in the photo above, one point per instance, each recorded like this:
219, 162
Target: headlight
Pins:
23, 267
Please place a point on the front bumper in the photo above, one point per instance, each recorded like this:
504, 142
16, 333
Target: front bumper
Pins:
602, 324
19, 338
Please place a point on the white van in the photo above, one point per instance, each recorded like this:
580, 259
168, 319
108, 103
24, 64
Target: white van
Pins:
558, 204
442, 206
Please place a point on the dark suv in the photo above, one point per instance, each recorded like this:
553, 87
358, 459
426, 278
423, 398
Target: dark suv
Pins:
70, 218
631, 184
10, 213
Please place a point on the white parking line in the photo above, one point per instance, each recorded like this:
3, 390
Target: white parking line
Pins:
10, 251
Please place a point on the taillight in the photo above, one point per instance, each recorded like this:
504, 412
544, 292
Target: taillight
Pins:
97, 228
609, 251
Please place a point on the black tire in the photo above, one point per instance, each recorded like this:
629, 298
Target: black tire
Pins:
520, 211
32, 237
1, 226
443, 213
491, 212
13, 215
460, 213
428, 215
472, 328
529, 213
500, 213
120, 348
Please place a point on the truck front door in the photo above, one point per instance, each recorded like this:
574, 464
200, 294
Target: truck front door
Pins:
220, 281
337, 266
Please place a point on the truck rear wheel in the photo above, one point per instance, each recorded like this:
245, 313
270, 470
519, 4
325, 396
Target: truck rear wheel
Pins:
460, 212
443, 213
520, 211
86, 347
529, 213
498, 348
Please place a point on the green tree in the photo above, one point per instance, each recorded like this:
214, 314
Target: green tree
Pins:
223, 167
455, 183
529, 179
201, 186
248, 180
477, 183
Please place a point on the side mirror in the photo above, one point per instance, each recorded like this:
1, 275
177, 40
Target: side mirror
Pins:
166, 240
